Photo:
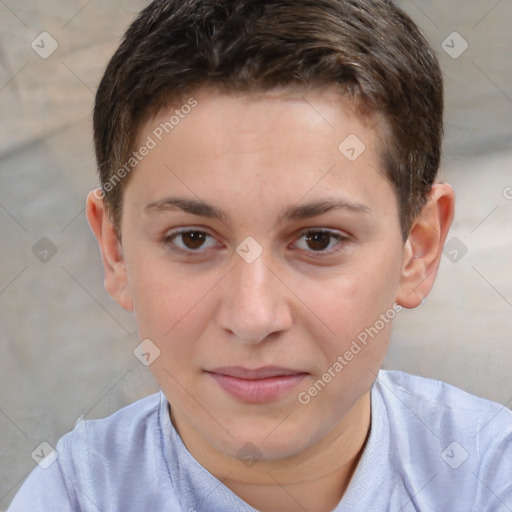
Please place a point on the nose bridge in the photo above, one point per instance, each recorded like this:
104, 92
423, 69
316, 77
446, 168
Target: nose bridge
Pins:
252, 282
254, 304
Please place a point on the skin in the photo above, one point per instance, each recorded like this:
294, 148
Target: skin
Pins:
254, 156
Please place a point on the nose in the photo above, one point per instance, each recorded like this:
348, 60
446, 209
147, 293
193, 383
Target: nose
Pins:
255, 303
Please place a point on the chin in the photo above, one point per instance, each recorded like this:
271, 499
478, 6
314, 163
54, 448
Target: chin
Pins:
270, 440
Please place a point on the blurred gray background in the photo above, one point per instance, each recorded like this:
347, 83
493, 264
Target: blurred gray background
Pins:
68, 349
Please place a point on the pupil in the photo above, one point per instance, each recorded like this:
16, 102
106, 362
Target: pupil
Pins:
193, 239
318, 241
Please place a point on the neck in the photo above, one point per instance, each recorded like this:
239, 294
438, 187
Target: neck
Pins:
314, 479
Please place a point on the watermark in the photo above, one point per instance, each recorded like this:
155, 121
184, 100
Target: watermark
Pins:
146, 352
454, 45
44, 250
249, 454
507, 193
44, 455
304, 397
455, 249
351, 147
249, 250
44, 45
454, 455
157, 135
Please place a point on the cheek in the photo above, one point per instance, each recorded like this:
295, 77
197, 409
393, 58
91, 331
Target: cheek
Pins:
353, 300
172, 308
359, 313
163, 298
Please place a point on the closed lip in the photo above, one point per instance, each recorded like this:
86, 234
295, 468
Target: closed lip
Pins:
256, 385
265, 372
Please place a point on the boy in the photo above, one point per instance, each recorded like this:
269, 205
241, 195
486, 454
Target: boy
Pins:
268, 206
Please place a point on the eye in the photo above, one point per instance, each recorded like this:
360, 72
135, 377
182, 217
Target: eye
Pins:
191, 240
320, 240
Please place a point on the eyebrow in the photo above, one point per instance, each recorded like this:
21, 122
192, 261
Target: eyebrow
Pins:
192, 206
295, 212
315, 208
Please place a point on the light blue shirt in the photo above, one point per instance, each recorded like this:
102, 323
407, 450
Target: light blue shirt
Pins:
432, 448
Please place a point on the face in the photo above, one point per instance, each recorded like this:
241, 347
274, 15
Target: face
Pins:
256, 253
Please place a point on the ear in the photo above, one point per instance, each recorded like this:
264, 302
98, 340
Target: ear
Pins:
424, 246
116, 279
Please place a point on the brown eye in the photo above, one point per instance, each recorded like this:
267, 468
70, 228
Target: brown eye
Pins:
193, 239
321, 241
318, 240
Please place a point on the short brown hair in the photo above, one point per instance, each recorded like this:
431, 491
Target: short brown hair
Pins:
370, 49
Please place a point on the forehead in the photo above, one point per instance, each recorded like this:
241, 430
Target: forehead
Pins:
322, 107
275, 145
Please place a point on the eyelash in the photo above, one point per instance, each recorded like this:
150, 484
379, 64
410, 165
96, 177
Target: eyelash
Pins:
340, 238
169, 238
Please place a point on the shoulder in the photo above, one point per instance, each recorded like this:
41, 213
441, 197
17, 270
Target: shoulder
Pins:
108, 445
447, 406
104, 463
443, 435
133, 421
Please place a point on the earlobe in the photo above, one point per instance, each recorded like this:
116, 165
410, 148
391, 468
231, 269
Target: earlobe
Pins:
423, 249
116, 278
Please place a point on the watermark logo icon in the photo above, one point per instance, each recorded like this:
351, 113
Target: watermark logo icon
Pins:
455, 249
44, 45
45, 455
249, 250
146, 352
44, 250
454, 45
351, 147
454, 455
249, 454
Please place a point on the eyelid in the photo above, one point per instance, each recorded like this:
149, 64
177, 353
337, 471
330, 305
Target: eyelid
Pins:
341, 236
334, 232
169, 236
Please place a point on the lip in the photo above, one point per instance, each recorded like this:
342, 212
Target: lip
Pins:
256, 385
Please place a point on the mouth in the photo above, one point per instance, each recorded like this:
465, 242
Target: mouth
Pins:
256, 385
